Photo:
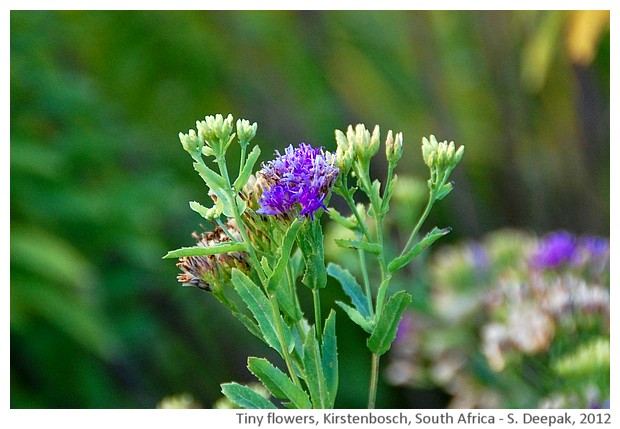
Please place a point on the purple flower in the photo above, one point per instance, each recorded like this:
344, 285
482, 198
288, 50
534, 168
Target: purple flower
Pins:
298, 182
556, 249
594, 246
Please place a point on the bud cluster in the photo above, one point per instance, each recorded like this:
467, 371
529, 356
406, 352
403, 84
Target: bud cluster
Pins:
359, 144
245, 130
441, 156
215, 128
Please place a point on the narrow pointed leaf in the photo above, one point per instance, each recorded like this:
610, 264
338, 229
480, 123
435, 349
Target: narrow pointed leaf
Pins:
258, 304
429, 239
350, 287
286, 304
285, 256
278, 383
203, 251
211, 178
313, 368
329, 358
387, 195
311, 245
249, 324
445, 190
356, 317
356, 244
245, 397
248, 168
385, 330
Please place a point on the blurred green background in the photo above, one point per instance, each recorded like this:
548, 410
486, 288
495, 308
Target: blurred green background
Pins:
100, 183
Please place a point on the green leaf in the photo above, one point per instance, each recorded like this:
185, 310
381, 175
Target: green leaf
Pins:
350, 287
278, 383
285, 256
356, 244
356, 317
341, 220
213, 180
375, 197
385, 330
429, 239
311, 245
207, 213
203, 251
387, 195
313, 368
258, 304
224, 199
249, 324
245, 397
329, 358
299, 331
248, 167
286, 303
444, 190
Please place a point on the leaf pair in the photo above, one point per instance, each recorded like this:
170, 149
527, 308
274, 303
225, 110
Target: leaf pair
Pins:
360, 313
382, 328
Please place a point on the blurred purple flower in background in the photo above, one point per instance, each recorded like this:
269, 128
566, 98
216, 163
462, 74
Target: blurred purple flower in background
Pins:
594, 246
297, 182
556, 249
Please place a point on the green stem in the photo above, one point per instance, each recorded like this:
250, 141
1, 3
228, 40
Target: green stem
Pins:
255, 262
374, 381
349, 199
242, 159
280, 332
364, 268
221, 163
416, 229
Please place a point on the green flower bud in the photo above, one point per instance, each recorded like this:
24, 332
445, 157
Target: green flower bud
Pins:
366, 146
394, 147
191, 142
375, 143
428, 149
345, 153
216, 132
442, 155
245, 131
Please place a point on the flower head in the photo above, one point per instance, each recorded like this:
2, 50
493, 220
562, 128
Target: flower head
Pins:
297, 182
210, 272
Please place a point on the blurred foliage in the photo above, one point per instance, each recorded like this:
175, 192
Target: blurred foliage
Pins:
99, 183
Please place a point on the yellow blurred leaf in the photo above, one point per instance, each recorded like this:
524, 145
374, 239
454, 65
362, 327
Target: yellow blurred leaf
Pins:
584, 31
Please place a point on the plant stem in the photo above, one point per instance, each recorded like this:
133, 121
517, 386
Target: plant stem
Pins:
364, 268
374, 381
349, 199
416, 229
272, 299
